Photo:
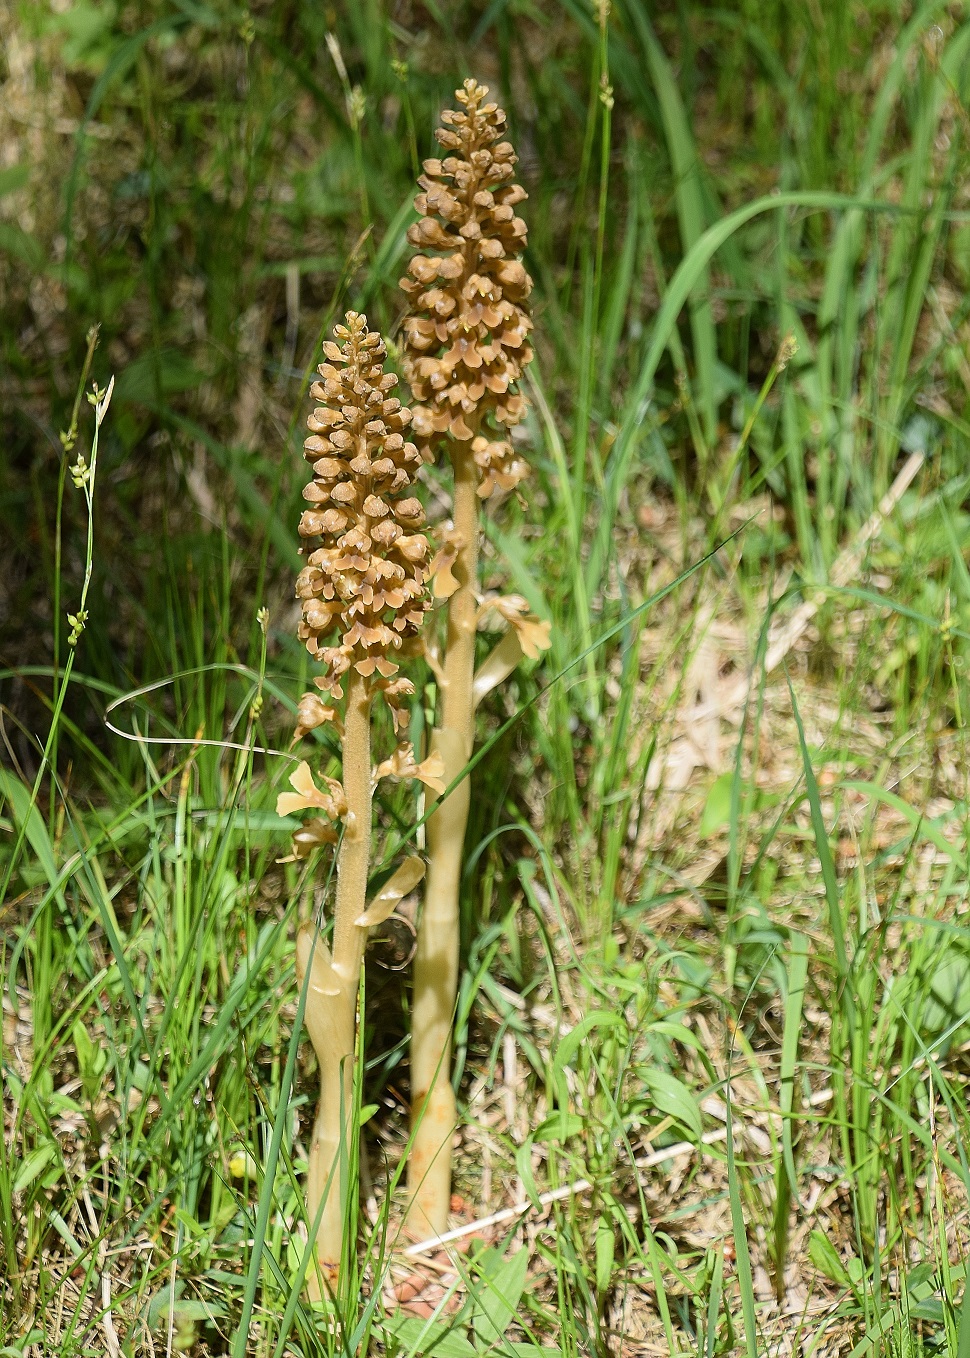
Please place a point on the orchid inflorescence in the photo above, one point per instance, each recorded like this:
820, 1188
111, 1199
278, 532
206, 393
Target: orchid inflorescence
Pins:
466, 336
365, 592
366, 579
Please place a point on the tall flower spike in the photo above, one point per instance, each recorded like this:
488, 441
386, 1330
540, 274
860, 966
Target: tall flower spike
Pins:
366, 578
465, 346
466, 338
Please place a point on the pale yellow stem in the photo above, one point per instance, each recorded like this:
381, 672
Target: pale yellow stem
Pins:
433, 1114
332, 1021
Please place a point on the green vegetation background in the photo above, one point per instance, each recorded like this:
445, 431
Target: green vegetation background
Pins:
212, 185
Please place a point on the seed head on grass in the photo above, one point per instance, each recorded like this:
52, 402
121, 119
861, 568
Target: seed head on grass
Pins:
466, 338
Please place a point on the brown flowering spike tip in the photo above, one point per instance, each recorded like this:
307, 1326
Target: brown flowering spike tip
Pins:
466, 337
364, 588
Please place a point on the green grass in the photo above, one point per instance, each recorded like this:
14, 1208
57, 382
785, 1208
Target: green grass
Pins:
718, 964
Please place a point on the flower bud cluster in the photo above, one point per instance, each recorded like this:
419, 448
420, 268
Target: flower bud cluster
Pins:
466, 338
366, 576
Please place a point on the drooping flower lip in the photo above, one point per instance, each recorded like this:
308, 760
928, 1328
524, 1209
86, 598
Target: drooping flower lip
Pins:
307, 796
443, 582
402, 765
534, 633
313, 712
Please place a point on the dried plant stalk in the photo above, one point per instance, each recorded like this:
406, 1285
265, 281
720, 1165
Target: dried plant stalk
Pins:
465, 345
364, 596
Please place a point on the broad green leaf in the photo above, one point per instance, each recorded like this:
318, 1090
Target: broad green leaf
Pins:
33, 1164
558, 1128
186, 1309
605, 1252
429, 1339
92, 1060
677, 1032
672, 1097
16, 242
523, 1164
496, 1295
13, 177
26, 814
571, 1043
717, 808
824, 1256
947, 1005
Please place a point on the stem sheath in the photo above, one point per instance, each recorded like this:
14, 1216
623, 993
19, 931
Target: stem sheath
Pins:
331, 1019
433, 1111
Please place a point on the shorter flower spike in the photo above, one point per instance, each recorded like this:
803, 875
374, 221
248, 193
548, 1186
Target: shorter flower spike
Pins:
466, 337
364, 592
366, 577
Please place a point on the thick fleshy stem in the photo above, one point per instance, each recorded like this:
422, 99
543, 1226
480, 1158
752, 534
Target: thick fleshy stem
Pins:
331, 1018
433, 1114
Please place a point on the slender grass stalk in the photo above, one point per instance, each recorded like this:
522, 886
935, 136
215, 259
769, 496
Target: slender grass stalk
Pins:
68, 439
83, 475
